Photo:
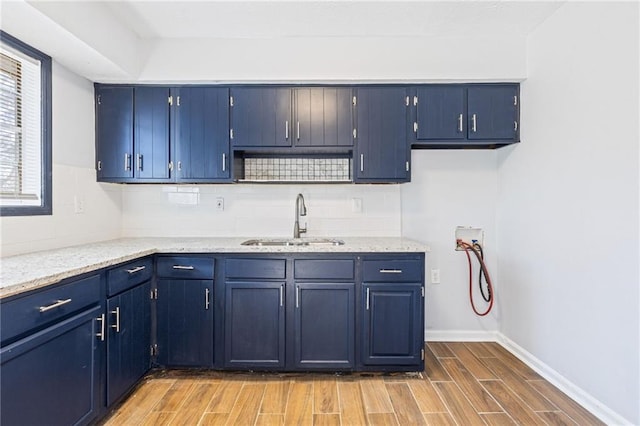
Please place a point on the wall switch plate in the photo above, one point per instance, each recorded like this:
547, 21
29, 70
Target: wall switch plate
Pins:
435, 276
220, 204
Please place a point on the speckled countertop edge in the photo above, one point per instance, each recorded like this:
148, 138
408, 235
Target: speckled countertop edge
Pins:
34, 270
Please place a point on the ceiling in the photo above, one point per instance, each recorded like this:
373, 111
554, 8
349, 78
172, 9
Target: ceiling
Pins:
273, 19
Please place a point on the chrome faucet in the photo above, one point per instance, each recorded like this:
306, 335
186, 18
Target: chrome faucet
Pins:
301, 210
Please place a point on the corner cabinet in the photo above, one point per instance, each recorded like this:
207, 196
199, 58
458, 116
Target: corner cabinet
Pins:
382, 153
464, 115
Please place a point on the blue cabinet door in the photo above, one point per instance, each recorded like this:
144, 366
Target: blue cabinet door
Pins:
261, 117
52, 376
151, 134
129, 340
440, 113
493, 112
324, 117
382, 150
324, 326
254, 324
392, 324
185, 322
202, 134
114, 133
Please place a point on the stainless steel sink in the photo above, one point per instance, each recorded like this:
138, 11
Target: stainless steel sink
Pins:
292, 242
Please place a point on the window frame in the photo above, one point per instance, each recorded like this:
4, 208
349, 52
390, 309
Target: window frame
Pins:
45, 208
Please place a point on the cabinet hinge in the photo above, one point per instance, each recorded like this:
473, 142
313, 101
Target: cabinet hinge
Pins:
354, 101
170, 100
415, 127
422, 291
406, 101
99, 99
355, 133
515, 100
230, 100
154, 350
230, 133
170, 165
415, 101
99, 165
178, 101
406, 165
422, 354
154, 294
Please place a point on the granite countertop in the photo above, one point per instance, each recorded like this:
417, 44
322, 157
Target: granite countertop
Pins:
30, 271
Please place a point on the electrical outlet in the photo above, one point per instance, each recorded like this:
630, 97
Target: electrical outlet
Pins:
435, 276
220, 204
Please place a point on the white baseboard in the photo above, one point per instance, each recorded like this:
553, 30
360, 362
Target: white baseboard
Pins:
597, 408
574, 392
460, 336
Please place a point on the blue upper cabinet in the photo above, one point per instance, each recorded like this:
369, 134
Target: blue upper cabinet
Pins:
382, 152
114, 133
261, 117
151, 136
202, 134
284, 117
323, 117
464, 115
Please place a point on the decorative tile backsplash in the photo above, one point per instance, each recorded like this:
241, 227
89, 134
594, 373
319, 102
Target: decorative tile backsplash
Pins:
297, 169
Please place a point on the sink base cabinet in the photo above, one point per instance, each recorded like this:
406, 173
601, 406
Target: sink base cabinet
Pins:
52, 376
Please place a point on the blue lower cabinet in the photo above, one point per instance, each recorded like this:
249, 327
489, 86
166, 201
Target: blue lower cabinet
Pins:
52, 377
128, 323
324, 326
254, 325
185, 310
392, 324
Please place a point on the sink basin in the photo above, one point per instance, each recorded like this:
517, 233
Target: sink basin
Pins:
292, 242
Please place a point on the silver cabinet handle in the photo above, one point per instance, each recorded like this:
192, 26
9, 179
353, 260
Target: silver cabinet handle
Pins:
57, 304
286, 129
185, 268
281, 295
117, 324
459, 123
127, 163
362, 162
474, 123
298, 131
101, 334
206, 299
224, 162
137, 269
139, 161
390, 271
367, 298
297, 296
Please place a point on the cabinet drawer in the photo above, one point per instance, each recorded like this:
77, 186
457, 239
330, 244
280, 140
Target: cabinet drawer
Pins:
35, 311
255, 268
128, 275
392, 270
185, 267
330, 269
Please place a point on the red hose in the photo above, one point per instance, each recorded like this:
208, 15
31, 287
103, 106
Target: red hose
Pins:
466, 248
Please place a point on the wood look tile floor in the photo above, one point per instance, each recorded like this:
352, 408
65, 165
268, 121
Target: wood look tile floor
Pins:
477, 383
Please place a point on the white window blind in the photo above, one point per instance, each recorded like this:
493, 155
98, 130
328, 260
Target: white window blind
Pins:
20, 129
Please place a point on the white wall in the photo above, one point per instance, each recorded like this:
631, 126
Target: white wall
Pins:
452, 188
568, 204
256, 210
73, 175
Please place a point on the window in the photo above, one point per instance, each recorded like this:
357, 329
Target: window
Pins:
25, 129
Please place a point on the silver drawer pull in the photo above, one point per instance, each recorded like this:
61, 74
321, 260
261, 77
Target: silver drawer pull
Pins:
206, 299
101, 334
184, 268
136, 269
117, 324
390, 271
55, 305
